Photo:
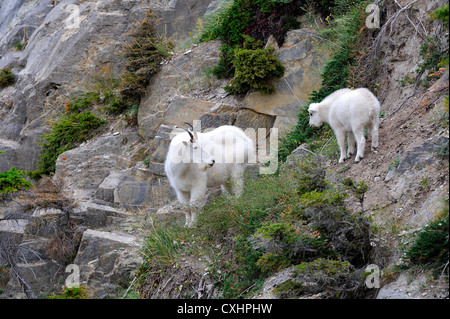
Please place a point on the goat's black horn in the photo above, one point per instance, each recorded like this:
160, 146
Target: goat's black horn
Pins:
189, 125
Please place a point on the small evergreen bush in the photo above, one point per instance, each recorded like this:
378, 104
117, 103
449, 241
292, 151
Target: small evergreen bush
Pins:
83, 102
67, 132
431, 245
331, 278
434, 56
71, 293
7, 78
254, 68
144, 55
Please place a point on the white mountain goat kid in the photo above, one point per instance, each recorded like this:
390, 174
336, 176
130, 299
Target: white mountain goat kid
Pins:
196, 161
349, 112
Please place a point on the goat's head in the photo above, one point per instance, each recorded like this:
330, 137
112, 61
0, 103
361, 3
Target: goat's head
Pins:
195, 152
314, 118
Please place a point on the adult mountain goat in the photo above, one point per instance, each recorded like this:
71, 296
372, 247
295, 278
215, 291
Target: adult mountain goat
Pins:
196, 161
349, 112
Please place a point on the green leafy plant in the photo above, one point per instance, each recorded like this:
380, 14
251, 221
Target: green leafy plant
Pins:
431, 245
19, 45
330, 278
7, 78
82, 102
394, 164
71, 293
254, 68
12, 181
432, 53
66, 133
441, 14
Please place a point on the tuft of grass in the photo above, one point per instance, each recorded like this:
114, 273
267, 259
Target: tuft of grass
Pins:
160, 248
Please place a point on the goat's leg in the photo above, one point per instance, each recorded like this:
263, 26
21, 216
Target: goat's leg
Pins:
351, 144
374, 129
198, 200
226, 188
184, 198
188, 215
361, 143
340, 137
237, 181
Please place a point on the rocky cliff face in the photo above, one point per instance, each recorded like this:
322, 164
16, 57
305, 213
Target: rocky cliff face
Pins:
117, 196
62, 45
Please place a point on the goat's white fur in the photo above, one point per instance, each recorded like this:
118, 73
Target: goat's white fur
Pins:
349, 112
196, 162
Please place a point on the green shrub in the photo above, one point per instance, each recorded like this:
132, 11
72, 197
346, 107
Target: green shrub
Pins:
284, 245
71, 293
330, 278
6, 77
441, 14
66, 133
254, 68
434, 56
259, 19
225, 68
433, 53
12, 181
309, 174
82, 102
324, 268
251, 19
144, 54
431, 246
358, 189
114, 104
273, 262
348, 232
